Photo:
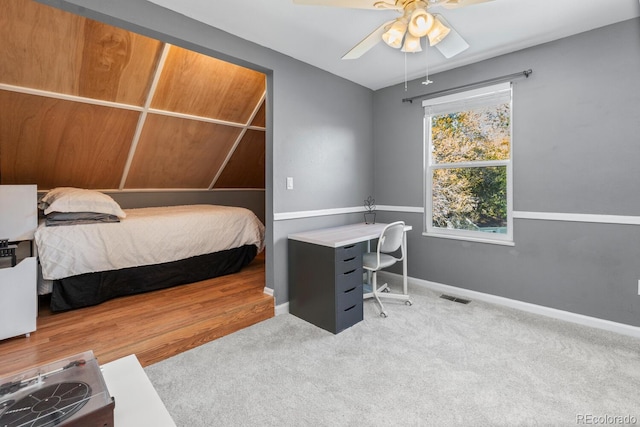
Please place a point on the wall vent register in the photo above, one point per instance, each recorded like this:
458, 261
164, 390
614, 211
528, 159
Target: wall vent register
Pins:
455, 299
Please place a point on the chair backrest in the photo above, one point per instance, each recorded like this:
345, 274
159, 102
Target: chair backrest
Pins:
391, 237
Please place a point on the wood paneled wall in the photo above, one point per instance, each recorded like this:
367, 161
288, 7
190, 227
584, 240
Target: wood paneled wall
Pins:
89, 105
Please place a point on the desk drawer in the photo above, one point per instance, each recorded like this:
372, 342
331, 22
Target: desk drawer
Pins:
348, 264
349, 316
348, 298
347, 252
348, 279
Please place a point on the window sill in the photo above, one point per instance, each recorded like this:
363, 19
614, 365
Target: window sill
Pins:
470, 239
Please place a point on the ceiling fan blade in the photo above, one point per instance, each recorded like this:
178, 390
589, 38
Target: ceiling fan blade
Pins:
453, 43
456, 4
368, 42
352, 4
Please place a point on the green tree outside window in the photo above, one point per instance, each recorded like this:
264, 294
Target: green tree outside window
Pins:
468, 191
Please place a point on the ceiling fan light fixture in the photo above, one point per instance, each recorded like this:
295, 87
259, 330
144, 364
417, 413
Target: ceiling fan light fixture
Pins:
393, 36
420, 23
411, 44
437, 32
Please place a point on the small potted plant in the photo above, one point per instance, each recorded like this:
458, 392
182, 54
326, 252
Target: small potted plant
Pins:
370, 210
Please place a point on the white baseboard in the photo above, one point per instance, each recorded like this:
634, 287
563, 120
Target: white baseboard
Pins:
567, 316
282, 309
279, 309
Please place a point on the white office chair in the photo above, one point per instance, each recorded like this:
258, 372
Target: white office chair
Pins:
391, 240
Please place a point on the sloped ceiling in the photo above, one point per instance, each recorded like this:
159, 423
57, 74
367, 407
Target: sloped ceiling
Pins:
89, 105
491, 29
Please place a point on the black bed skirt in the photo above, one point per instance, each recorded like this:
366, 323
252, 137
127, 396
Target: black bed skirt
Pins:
93, 288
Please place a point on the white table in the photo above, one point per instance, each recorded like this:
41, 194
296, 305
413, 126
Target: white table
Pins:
137, 402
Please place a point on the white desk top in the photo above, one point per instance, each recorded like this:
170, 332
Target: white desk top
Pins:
344, 235
137, 402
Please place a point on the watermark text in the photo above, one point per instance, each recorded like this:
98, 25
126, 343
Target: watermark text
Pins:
605, 420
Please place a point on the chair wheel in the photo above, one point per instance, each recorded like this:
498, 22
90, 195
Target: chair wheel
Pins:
408, 302
383, 314
386, 290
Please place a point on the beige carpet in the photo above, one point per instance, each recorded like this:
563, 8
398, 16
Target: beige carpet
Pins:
437, 363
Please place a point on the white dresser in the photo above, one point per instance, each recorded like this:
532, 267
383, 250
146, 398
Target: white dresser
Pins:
18, 294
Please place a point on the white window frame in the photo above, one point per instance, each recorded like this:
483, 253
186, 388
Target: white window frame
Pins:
429, 167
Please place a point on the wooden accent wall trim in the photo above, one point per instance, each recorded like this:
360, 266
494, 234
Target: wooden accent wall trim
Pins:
205, 119
56, 55
158, 162
143, 116
259, 107
248, 172
55, 142
46, 48
201, 85
67, 97
260, 116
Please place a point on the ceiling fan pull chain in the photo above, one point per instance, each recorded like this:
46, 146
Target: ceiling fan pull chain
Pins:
405, 71
426, 77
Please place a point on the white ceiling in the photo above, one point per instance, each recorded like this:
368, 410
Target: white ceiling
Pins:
320, 35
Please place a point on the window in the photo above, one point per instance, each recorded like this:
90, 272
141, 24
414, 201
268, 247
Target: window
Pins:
468, 165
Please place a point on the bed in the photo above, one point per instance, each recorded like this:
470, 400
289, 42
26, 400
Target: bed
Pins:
89, 254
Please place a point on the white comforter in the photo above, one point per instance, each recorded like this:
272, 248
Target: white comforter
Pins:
146, 236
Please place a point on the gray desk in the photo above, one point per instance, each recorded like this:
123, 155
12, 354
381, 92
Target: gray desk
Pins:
325, 274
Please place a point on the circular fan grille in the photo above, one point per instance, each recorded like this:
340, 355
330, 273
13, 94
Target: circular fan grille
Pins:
47, 406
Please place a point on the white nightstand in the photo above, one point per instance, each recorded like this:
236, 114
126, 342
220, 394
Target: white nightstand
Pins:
18, 292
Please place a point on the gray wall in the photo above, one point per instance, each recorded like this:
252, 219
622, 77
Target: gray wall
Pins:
576, 122
319, 126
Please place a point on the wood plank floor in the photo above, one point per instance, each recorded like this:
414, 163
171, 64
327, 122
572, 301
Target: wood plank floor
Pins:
153, 326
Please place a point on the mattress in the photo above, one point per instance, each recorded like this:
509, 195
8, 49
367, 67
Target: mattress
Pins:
147, 236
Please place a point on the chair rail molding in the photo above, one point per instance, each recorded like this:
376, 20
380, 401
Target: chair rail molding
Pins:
527, 215
577, 217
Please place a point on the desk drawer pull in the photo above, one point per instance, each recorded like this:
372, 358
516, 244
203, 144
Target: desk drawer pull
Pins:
346, 253
351, 308
348, 265
348, 280
349, 259
346, 299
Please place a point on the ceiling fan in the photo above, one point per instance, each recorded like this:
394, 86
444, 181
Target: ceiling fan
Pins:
405, 32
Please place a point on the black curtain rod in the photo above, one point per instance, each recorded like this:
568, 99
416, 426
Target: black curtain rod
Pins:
500, 79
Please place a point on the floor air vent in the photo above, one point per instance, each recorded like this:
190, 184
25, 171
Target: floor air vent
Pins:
455, 299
